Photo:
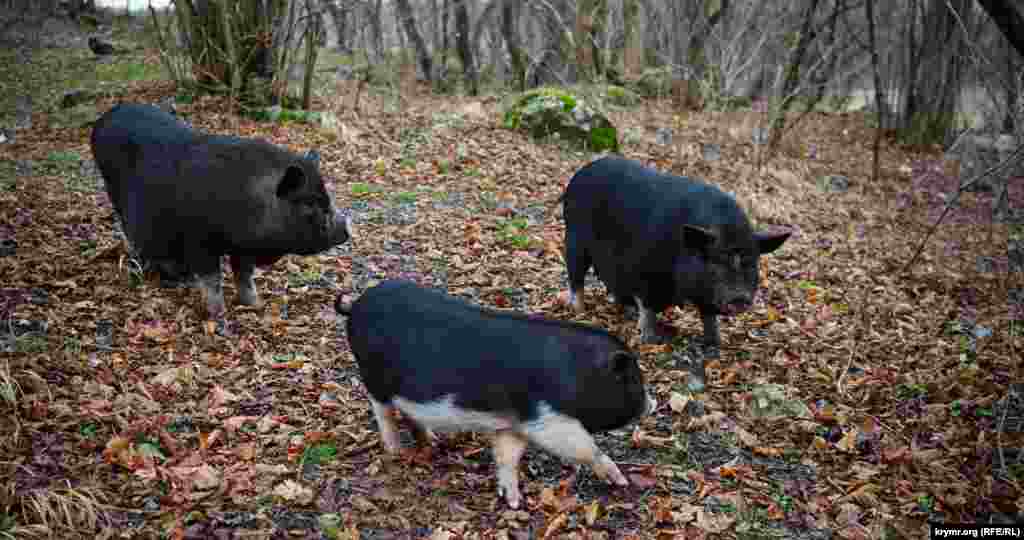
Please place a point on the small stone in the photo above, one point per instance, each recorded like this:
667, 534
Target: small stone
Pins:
663, 136
711, 152
759, 136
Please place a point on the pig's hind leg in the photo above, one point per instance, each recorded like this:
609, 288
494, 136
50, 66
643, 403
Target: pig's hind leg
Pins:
508, 450
567, 438
385, 415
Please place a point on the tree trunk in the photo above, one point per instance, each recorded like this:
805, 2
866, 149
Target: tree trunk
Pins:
553, 68
792, 74
869, 8
377, 27
1009, 19
444, 30
465, 50
314, 32
938, 83
633, 56
510, 10
340, 16
405, 15
583, 36
701, 30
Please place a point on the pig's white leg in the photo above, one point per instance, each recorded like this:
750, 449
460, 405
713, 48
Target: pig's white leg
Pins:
245, 270
386, 423
508, 450
567, 438
648, 323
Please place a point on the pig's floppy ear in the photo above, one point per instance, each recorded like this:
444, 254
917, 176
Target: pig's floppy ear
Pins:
292, 181
769, 242
698, 237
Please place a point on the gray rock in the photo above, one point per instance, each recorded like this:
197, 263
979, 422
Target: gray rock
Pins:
711, 152
663, 136
834, 183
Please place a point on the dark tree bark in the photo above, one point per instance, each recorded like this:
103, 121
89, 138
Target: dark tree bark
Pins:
340, 14
1009, 19
792, 76
696, 57
555, 18
510, 10
869, 8
462, 42
377, 26
405, 15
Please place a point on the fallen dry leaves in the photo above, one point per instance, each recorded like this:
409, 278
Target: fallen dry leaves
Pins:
889, 385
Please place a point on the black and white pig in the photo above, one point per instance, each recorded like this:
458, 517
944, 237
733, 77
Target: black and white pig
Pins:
449, 365
186, 198
660, 240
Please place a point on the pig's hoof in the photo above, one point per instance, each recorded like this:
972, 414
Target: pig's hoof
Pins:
250, 299
511, 495
607, 469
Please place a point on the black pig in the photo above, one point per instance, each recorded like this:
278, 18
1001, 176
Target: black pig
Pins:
659, 240
449, 365
186, 198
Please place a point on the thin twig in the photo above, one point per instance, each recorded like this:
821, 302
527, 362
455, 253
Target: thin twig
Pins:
1014, 157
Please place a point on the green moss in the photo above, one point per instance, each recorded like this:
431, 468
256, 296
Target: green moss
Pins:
548, 111
604, 138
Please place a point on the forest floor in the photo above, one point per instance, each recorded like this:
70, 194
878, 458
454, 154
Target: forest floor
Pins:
860, 398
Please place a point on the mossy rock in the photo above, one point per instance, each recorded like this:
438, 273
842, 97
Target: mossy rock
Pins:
543, 112
653, 82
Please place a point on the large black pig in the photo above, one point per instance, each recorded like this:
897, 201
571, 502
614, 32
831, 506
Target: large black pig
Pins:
449, 365
659, 240
187, 198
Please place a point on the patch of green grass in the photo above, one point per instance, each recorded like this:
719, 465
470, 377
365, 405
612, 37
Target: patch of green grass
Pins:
151, 448
911, 391
62, 159
925, 503
7, 525
330, 525
754, 524
320, 453
488, 201
30, 343
305, 277
441, 120
88, 430
8, 174
405, 197
360, 189
128, 71
513, 232
87, 248
9, 388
